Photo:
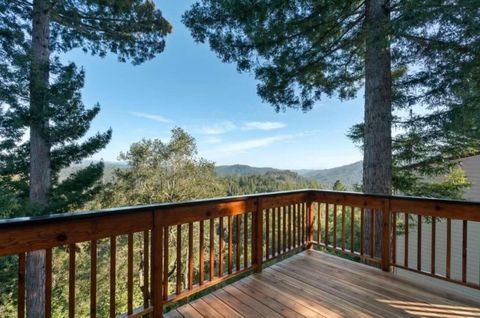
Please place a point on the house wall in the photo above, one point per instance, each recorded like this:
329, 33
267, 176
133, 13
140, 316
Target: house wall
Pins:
471, 166
473, 252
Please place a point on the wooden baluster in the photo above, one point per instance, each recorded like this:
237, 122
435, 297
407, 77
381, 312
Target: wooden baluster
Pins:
190, 256
326, 224
230, 244
299, 227
284, 236
48, 283
146, 268
335, 227
343, 228
166, 262
93, 279
71, 280
449, 246
433, 248
352, 229
304, 222
237, 238
386, 237
419, 242
464, 251
362, 231
220, 249
258, 238
309, 225
178, 288
212, 249
298, 209
245, 240
295, 235
372, 232
279, 231
394, 238
201, 251
21, 286
159, 245
319, 225
267, 234
274, 253
289, 226
113, 275
405, 261
130, 274
295, 223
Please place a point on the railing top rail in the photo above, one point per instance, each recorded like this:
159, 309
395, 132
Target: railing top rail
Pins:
138, 208
19, 221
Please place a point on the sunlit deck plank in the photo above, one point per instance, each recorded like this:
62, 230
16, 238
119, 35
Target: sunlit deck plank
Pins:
314, 284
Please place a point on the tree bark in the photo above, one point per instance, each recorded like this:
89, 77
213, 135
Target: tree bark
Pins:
40, 181
377, 160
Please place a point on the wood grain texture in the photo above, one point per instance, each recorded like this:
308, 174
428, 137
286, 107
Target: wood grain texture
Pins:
48, 283
21, 286
314, 284
113, 276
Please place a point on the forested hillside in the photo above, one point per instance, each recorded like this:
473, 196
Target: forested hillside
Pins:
268, 182
236, 179
242, 170
348, 174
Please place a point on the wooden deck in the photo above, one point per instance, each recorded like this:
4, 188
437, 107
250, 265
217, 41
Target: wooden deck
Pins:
314, 284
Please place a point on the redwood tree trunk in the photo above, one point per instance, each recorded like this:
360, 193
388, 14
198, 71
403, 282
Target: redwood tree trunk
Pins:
39, 148
377, 158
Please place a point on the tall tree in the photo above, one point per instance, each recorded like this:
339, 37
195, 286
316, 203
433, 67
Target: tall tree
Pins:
41, 95
160, 171
405, 53
339, 186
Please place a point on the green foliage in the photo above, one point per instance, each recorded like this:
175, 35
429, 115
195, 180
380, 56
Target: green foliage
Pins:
132, 29
269, 182
451, 186
162, 172
69, 121
300, 50
339, 186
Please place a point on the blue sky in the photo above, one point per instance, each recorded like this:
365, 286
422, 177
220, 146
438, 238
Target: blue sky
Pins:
189, 87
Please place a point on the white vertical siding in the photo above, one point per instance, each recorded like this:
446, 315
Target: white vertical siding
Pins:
473, 248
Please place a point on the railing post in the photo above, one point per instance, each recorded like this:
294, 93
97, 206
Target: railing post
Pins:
309, 220
386, 235
258, 237
157, 265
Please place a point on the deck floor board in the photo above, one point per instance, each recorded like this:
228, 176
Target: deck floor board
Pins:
315, 284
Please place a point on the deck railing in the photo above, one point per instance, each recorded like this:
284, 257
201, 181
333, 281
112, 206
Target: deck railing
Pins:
151, 256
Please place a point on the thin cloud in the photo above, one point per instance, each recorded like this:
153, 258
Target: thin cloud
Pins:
217, 129
228, 126
212, 140
263, 125
242, 146
154, 117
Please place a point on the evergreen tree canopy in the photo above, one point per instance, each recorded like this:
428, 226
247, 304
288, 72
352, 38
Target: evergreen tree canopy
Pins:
162, 172
339, 186
302, 50
41, 97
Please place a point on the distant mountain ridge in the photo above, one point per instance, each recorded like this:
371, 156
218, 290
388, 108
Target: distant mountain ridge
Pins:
242, 170
348, 174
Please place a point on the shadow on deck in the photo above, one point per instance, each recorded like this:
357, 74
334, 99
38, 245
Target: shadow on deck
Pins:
315, 284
